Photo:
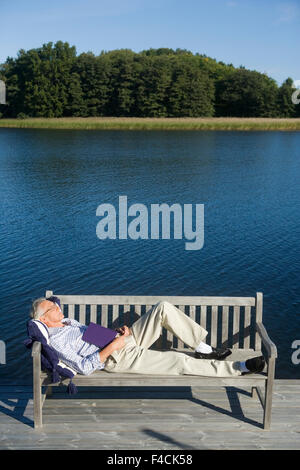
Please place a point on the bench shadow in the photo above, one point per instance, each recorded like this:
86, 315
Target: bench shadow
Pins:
184, 392
19, 405
18, 410
235, 411
165, 438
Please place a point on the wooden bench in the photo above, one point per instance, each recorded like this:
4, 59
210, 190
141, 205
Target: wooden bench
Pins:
234, 322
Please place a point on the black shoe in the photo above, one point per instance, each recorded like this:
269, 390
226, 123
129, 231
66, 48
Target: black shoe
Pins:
255, 365
219, 354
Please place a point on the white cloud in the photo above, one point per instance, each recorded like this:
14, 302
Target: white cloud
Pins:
288, 12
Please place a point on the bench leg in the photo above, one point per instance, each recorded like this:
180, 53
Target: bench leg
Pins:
37, 393
269, 394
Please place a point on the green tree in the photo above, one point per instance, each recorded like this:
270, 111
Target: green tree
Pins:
191, 92
123, 77
52, 81
246, 93
286, 107
153, 84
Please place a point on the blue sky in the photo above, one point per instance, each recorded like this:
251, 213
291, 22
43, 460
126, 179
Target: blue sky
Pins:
259, 34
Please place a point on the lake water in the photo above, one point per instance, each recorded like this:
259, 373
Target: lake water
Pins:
52, 182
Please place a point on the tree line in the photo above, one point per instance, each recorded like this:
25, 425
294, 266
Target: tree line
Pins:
53, 81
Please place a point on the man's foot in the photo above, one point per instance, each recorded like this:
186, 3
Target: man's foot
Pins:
219, 354
254, 365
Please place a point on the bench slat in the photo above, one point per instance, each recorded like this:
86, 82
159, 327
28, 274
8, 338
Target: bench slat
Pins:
115, 316
137, 309
104, 315
214, 325
203, 318
192, 311
82, 314
236, 326
93, 316
152, 300
259, 307
225, 317
180, 343
247, 323
148, 307
70, 311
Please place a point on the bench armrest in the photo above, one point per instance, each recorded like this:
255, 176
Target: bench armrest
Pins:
36, 349
269, 345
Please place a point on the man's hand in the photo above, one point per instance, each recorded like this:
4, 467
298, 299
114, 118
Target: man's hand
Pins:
118, 343
115, 345
124, 331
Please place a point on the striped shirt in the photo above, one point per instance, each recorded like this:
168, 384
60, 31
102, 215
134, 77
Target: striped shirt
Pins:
72, 350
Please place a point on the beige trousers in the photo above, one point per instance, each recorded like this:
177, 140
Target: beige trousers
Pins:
136, 358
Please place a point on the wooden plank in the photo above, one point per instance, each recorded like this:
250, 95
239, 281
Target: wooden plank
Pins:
126, 309
203, 318
142, 380
269, 345
259, 313
71, 311
179, 342
152, 300
192, 312
37, 392
93, 315
225, 323
247, 323
214, 325
269, 393
148, 307
137, 310
236, 327
82, 314
104, 315
115, 316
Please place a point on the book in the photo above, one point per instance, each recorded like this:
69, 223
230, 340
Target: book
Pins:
99, 335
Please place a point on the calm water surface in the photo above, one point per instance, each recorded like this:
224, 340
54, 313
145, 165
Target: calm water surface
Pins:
51, 183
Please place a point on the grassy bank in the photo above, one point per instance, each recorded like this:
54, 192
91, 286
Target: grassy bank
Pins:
106, 123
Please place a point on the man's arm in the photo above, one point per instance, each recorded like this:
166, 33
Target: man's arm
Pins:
117, 343
84, 365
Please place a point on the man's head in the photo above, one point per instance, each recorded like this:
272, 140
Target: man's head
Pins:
47, 311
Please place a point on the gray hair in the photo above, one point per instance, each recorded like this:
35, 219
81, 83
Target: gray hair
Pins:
36, 312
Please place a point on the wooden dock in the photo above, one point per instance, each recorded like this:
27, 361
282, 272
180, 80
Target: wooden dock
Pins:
151, 418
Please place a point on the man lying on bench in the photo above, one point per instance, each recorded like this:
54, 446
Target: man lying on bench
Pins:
129, 352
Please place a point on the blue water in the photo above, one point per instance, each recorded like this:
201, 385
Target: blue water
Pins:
51, 183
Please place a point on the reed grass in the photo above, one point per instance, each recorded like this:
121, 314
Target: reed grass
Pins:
123, 123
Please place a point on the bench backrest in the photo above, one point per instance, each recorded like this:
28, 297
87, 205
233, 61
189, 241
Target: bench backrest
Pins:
230, 321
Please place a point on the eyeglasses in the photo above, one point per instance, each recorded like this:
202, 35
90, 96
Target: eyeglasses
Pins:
51, 308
